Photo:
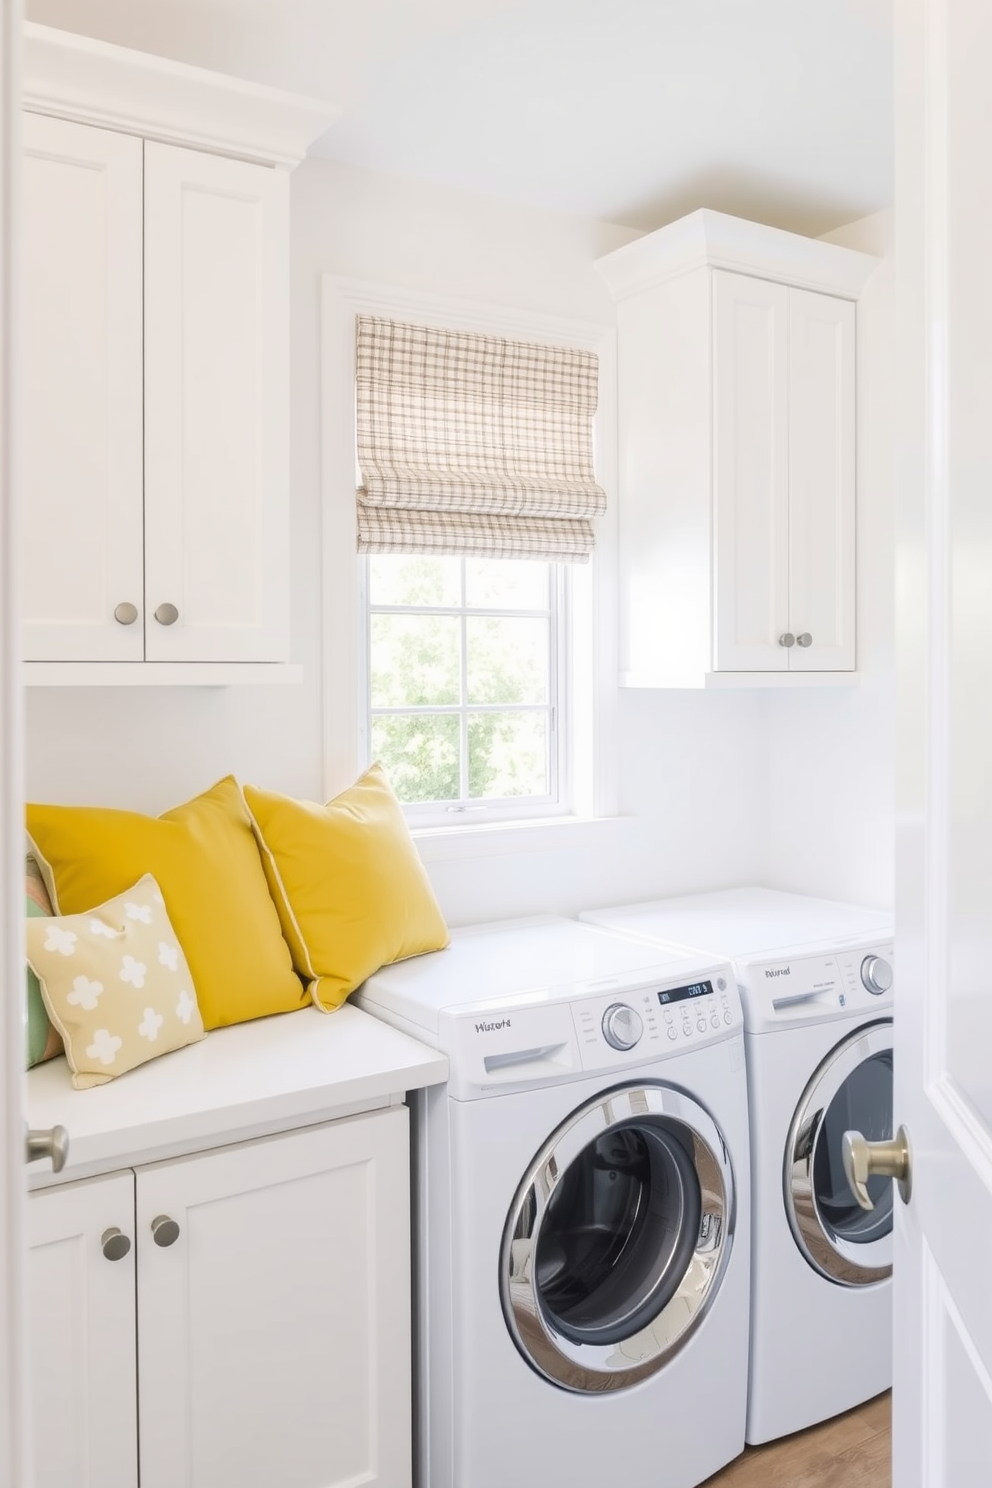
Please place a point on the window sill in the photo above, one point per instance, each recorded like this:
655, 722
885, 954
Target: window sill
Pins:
496, 839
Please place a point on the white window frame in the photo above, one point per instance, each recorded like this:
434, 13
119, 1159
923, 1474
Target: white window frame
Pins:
589, 645
478, 812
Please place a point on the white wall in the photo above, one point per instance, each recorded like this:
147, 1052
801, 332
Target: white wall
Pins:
692, 782
830, 755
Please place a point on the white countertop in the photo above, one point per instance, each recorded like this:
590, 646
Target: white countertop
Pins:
270, 1075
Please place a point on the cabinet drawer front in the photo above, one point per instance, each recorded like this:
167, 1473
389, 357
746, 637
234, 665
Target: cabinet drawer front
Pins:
81, 553
751, 459
274, 1340
822, 480
216, 407
81, 1322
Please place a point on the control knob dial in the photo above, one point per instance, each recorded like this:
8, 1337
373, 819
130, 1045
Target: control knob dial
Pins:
622, 1027
876, 973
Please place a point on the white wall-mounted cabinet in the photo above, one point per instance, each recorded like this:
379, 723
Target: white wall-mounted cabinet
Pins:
156, 343
737, 454
265, 1294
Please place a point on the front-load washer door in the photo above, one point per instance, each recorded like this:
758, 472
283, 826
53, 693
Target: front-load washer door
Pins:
850, 1091
617, 1238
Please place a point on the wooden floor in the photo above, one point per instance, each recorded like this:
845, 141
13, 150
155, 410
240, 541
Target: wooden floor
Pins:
851, 1451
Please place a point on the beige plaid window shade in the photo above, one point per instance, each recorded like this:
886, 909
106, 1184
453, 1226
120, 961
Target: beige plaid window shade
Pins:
474, 445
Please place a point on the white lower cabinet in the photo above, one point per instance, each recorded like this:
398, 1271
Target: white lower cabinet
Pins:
271, 1317
81, 1309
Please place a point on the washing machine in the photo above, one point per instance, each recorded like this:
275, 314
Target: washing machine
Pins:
581, 1222
816, 985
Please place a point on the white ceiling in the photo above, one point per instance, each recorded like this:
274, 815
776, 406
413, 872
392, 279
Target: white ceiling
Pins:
634, 111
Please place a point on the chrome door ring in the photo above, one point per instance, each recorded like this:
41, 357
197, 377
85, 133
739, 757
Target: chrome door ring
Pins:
591, 1367
837, 1259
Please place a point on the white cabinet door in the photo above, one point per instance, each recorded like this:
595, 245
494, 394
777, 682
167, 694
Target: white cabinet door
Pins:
821, 481
81, 539
216, 408
81, 1336
274, 1333
751, 473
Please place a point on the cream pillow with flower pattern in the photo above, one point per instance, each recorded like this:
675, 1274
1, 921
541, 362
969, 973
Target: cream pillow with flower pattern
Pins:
115, 983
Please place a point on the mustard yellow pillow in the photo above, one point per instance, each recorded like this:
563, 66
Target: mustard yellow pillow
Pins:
115, 983
203, 856
351, 891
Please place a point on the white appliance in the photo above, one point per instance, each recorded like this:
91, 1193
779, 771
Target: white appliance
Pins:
815, 979
582, 1220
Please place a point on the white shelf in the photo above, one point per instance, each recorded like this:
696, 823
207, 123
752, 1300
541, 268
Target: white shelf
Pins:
158, 674
744, 679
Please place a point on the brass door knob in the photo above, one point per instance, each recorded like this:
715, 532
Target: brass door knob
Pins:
864, 1160
166, 614
115, 1244
165, 1231
53, 1143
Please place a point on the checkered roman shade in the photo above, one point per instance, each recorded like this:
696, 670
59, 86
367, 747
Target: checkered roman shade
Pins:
474, 445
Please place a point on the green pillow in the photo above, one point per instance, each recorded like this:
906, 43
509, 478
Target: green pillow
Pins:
43, 1041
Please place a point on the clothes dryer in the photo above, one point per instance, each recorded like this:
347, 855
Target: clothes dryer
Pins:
816, 984
581, 1229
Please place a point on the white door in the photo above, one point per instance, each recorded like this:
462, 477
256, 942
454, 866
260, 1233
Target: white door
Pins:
751, 473
216, 408
273, 1311
81, 519
821, 482
942, 1430
81, 1339
14, 1434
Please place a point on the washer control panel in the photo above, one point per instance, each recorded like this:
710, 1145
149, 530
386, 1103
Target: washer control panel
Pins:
656, 1019
806, 986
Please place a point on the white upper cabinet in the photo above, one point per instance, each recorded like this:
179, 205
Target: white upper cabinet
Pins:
216, 408
155, 398
81, 517
737, 454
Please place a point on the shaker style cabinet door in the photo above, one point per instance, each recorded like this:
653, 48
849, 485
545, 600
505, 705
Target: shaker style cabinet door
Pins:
81, 400
751, 473
274, 1311
216, 408
81, 1322
821, 482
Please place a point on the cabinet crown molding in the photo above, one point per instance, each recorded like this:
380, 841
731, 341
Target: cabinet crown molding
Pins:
714, 239
94, 82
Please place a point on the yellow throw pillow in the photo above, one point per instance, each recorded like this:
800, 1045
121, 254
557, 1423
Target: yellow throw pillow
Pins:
351, 891
204, 858
115, 983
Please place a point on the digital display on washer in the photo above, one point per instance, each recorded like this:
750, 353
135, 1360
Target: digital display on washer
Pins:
679, 994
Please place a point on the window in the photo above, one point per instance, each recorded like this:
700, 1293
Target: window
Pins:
393, 526
466, 682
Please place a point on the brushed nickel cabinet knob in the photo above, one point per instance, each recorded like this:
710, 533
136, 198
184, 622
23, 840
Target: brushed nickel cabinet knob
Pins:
788, 639
166, 614
114, 1244
805, 639
126, 613
165, 1231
